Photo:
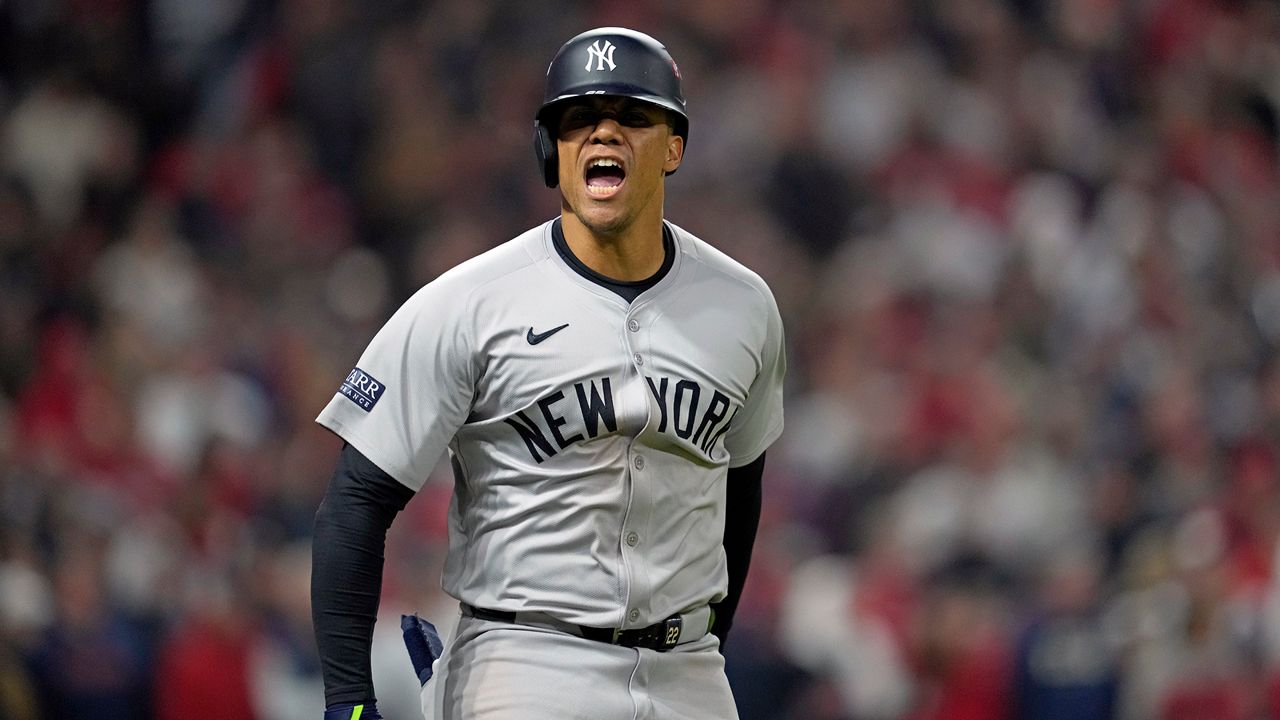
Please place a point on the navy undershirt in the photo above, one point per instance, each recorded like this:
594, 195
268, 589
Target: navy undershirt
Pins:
628, 290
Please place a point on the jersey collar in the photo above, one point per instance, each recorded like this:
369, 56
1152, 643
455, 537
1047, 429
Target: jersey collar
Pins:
678, 251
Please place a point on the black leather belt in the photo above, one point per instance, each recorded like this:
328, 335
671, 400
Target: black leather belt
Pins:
661, 636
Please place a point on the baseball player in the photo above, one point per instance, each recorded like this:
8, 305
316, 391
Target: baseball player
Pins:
606, 385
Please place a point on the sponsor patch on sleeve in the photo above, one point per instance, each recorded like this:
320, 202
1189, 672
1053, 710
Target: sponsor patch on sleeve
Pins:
362, 389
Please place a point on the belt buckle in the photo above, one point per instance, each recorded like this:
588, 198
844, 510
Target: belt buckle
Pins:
660, 636
672, 628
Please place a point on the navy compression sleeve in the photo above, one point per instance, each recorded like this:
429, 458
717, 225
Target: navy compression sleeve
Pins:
742, 517
346, 571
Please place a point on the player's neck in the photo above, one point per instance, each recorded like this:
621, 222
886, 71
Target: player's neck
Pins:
635, 253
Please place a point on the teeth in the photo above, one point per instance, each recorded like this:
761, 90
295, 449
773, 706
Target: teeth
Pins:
604, 162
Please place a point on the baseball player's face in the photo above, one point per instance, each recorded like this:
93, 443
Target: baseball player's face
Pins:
614, 153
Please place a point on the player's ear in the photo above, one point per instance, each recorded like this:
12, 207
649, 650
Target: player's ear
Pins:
675, 153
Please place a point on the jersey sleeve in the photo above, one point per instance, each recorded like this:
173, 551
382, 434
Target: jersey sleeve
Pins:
759, 422
412, 387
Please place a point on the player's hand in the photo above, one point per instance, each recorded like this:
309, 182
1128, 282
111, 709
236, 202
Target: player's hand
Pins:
348, 711
422, 640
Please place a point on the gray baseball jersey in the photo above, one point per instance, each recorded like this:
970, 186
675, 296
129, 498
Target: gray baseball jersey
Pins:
590, 437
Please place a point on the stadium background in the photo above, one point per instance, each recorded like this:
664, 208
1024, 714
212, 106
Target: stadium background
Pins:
1028, 253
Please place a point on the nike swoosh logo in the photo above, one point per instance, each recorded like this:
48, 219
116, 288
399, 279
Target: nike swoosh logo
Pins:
535, 338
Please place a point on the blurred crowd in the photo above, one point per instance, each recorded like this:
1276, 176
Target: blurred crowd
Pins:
1027, 252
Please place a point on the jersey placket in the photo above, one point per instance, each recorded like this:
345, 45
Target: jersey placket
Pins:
639, 502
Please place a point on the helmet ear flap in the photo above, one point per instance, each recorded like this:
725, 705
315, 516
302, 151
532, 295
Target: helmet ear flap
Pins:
544, 146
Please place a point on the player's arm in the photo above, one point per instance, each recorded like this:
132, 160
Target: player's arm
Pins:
742, 518
346, 578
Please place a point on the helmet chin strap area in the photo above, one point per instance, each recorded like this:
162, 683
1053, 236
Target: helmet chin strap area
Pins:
544, 146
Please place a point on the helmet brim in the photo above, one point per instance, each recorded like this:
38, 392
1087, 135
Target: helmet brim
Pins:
549, 114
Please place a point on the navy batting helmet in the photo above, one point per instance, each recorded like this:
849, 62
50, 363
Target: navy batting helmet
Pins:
606, 61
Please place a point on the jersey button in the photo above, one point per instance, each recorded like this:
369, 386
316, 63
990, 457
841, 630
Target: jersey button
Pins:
633, 539
639, 462
633, 325
639, 360
634, 615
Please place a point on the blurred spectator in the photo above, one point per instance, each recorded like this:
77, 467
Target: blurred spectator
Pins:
60, 141
1066, 666
961, 651
827, 632
90, 663
203, 666
283, 669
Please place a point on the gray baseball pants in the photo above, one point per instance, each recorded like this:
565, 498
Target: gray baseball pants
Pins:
493, 670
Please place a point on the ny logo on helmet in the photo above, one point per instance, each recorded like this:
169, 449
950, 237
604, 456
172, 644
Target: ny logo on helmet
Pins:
600, 54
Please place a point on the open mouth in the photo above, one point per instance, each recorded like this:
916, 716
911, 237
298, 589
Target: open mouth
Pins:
604, 176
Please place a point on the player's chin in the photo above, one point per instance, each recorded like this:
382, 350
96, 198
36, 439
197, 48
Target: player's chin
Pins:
608, 220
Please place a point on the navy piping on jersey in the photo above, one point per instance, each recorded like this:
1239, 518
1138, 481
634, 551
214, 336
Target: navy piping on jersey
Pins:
628, 290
